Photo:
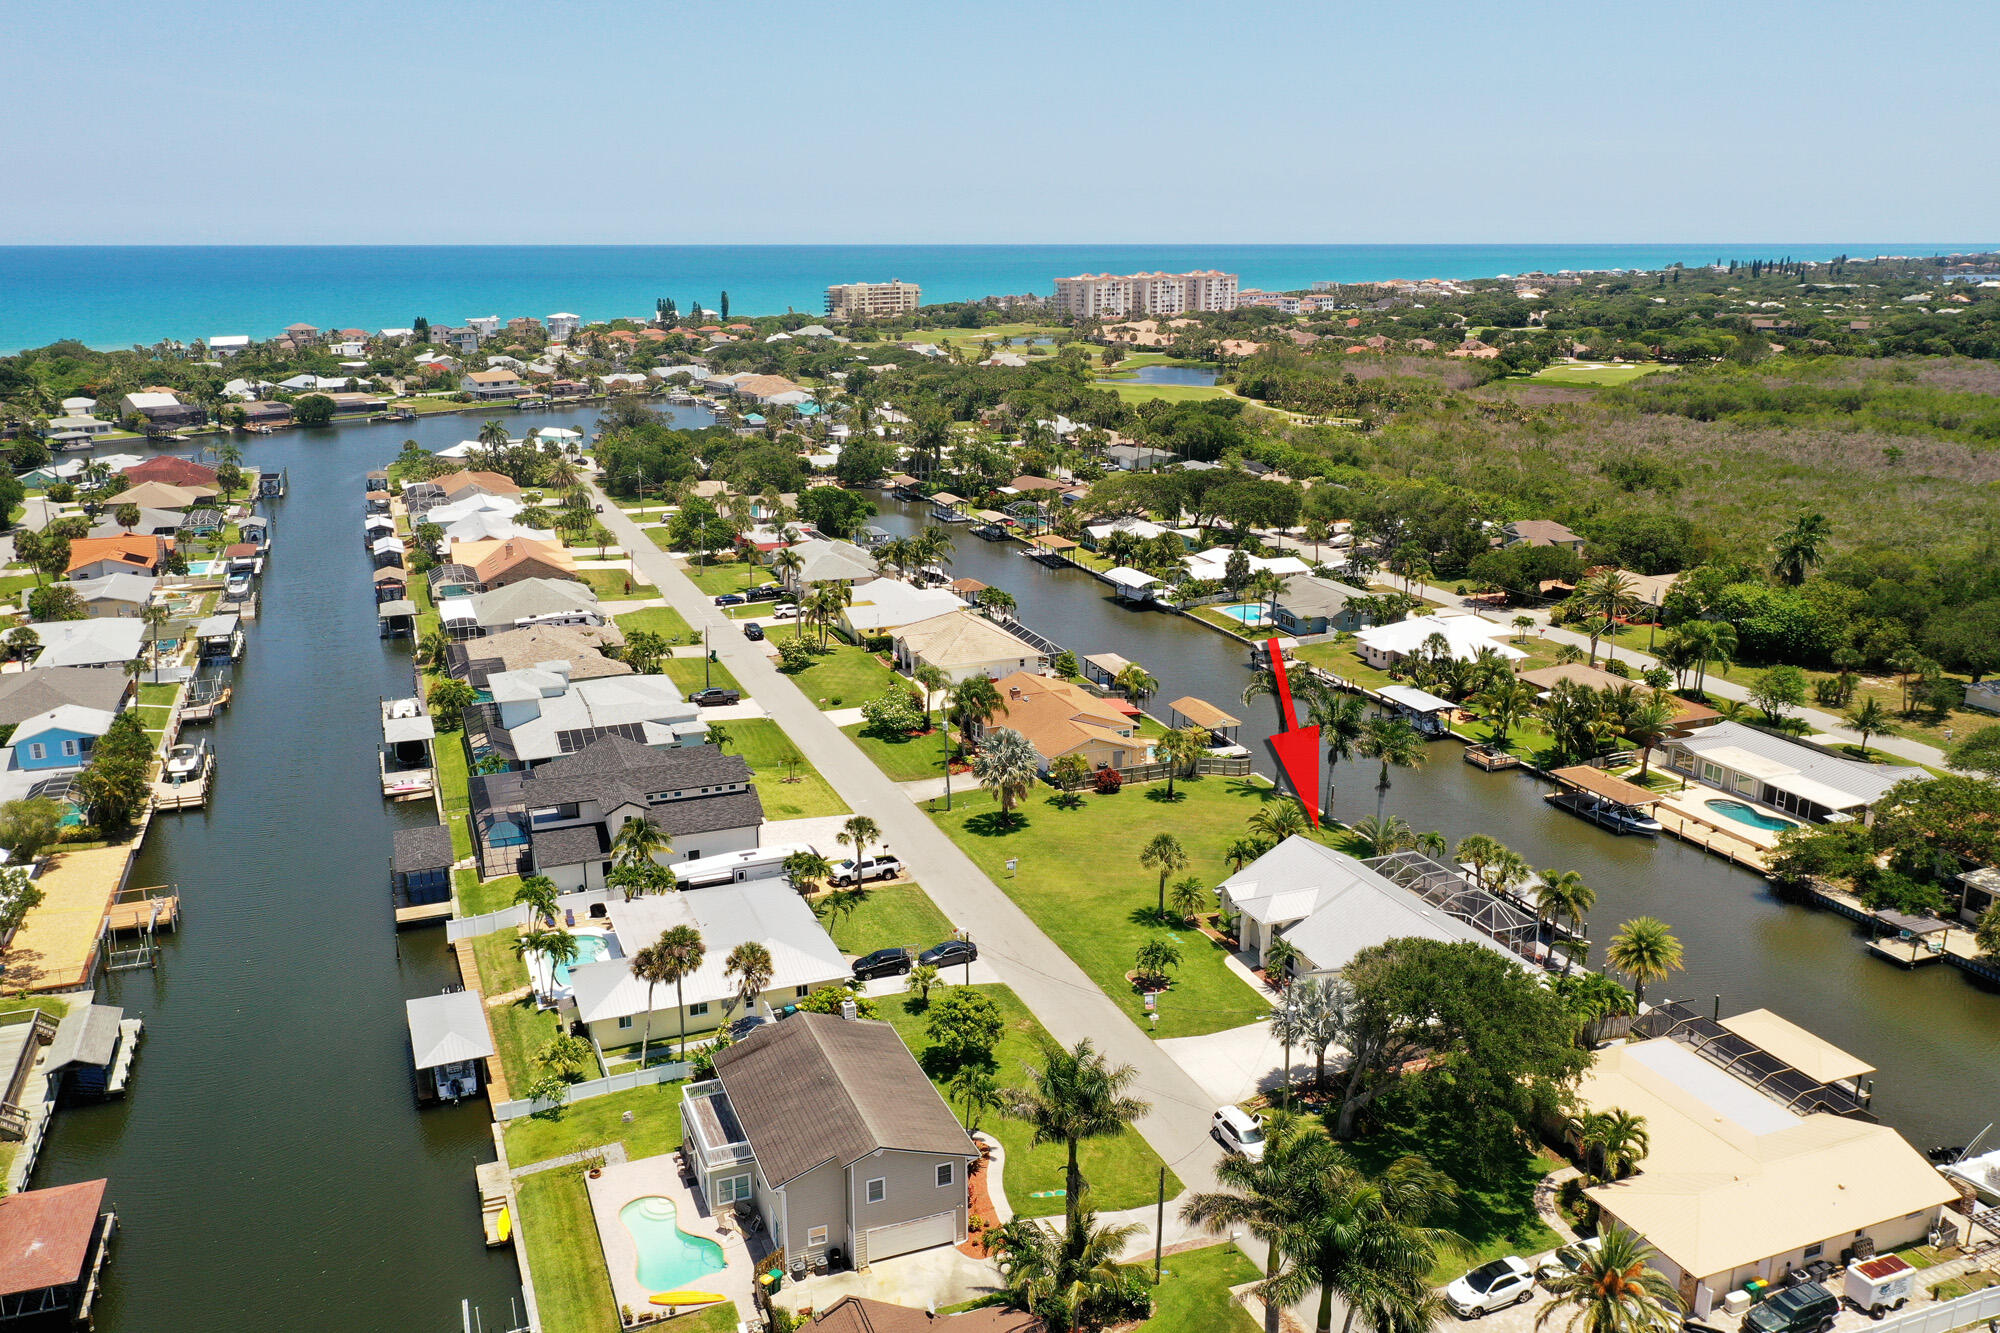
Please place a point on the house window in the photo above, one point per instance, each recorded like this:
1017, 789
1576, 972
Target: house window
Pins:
698, 1008
624, 1022
69, 749
1814, 1252
37, 750
730, 1189
878, 1189
1711, 772
945, 1174
815, 1237
803, 991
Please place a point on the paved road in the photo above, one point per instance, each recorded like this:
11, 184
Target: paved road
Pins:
1067, 1002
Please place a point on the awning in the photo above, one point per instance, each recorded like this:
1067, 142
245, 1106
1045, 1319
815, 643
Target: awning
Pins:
1416, 700
1055, 543
402, 606
1914, 925
1202, 713
1109, 663
1127, 577
1599, 783
445, 1029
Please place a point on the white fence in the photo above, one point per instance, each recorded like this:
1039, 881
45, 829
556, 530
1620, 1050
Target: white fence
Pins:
512, 918
597, 1087
1942, 1318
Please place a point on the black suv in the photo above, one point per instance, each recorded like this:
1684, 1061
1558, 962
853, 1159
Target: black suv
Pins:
1806, 1308
882, 963
712, 696
951, 953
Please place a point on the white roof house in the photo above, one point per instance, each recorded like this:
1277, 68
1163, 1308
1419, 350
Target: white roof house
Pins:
881, 605
1790, 775
498, 506
543, 712
108, 642
229, 343
1214, 564
528, 602
119, 586
827, 560
767, 911
139, 402
1465, 637
1142, 528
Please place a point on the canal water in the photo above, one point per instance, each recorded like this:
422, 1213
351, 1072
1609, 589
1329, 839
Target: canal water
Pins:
1934, 1036
270, 1167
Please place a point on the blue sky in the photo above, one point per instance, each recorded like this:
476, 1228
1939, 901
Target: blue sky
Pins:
674, 122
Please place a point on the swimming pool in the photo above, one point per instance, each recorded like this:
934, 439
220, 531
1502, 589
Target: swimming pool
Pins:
1744, 814
1247, 614
669, 1258
589, 949
200, 568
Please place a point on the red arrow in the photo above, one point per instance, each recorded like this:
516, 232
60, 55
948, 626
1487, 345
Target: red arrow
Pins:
1297, 747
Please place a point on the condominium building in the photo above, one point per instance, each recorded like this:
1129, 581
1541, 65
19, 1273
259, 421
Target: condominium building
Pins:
1109, 295
562, 326
872, 300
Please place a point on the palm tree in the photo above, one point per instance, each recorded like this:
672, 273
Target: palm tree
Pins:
1280, 819
1365, 1238
1261, 1196
1076, 1094
750, 963
1180, 747
1070, 1280
1562, 894
1342, 719
932, 680
1869, 717
1708, 641
1396, 744
1136, 681
1645, 950
1189, 897
857, 833
1243, 850
807, 870
639, 839
1380, 837
1477, 850
1800, 547
1608, 594
973, 700
157, 618
1523, 626
1166, 855
1505, 703
1612, 1143
537, 893
1006, 764
1615, 1289
1646, 725
681, 954
787, 562
650, 967
1280, 957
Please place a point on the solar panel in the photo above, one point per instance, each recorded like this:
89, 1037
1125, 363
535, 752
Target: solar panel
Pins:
569, 742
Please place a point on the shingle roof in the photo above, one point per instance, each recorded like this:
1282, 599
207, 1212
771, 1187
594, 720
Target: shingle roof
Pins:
27, 694
619, 770
705, 814
569, 846
816, 1088
425, 847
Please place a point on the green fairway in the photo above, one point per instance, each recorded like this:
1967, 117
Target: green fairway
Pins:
1594, 374
1162, 393
790, 790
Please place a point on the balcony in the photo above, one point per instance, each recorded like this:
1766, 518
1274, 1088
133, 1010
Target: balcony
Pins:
714, 1139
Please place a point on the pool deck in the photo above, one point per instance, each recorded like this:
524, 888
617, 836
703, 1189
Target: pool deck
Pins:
617, 1186
1686, 815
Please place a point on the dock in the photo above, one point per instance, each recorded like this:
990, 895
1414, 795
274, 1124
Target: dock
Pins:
495, 1202
1490, 759
204, 705
154, 908
423, 914
189, 794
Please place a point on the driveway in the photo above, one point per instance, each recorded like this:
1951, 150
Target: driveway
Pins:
1234, 1065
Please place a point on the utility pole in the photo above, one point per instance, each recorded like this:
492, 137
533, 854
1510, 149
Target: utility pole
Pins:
1160, 1225
706, 658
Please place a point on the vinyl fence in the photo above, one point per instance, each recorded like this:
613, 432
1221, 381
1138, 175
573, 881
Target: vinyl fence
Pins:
597, 1087
1977, 1308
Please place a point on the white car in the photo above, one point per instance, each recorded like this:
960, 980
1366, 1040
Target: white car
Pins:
784, 611
1567, 1260
1239, 1131
1491, 1287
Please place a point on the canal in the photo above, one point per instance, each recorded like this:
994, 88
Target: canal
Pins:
270, 1167
1934, 1036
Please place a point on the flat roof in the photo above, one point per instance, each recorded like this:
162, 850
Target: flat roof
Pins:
1810, 1055
1202, 713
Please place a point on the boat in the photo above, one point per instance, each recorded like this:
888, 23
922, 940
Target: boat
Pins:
1608, 813
686, 1297
237, 586
1982, 1173
506, 1224
184, 762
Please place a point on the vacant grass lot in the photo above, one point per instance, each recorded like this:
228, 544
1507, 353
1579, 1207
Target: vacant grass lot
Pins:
903, 758
888, 917
661, 620
1079, 877
727, 576
846, 677
655, 1127
1122, 1172
613, 584
693, 673
790, 790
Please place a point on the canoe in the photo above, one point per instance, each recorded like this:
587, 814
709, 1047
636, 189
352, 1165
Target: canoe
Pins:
506, 1228
686, 1297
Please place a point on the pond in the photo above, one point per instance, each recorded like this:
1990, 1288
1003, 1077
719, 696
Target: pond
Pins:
1202, 376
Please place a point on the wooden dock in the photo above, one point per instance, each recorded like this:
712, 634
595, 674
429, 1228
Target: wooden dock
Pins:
1905, 953
496, 1194
153, 908
189, 795
423, 914
1481, 756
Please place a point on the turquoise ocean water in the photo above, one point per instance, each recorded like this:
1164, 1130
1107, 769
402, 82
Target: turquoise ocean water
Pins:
118, 296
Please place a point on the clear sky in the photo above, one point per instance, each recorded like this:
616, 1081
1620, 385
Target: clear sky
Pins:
725, 121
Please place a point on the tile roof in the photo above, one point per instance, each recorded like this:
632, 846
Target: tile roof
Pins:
138, 553
1057, 716
45, 1235
816, 1088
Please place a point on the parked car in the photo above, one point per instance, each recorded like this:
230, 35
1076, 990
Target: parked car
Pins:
882, 963
875, 867
1568, 1259
951, 953
1239, 1131
1806, 1308
753, 631
730, 599
712, 696
784, 610
1491, 1287
769, 592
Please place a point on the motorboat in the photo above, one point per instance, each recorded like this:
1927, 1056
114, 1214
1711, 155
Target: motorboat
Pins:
184, 762
237, 586
1982, 1173
1606, 813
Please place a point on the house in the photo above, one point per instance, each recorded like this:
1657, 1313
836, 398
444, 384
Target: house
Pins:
456, 486
859, 1314
1793, 776
827, 560
1749, 1171
884, 605
420, 865
1984, 695
1687, 714
1059, 718
161, 407
696, 795
1979, 888
1465, 637
1095, 535
116, 594
1539, 532
831, 1130
79, 427
538, 713
489, 384
173, 471
455, 514
1137, 457
519, 605
94, 557
152, 523
53, 1245
497, 564
160, 495
63, 737
475, 661
27, 694
1213, 564
90, 643
1329, 906
963, 644
1313, 605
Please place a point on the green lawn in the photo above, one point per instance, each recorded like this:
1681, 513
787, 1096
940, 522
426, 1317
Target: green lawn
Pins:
903, 758
159, 696
790, 791
54, 1006
727, 576
687, 673
846, 677
454, 769
520, 1030
889, 916
661, 620
1122, 1172
1079, 877
476, 898
572, 1288
1193, 1295
1495, 1211
614, 585
655, 1127
1162, 393
1594, 375
13, 585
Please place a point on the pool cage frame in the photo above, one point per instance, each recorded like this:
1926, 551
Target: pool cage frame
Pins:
1750, 1063
1447, 889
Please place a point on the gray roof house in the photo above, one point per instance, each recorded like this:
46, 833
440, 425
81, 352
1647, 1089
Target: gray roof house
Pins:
26, 694
103, 643
1313, 605
152, 522
830, 1131
539, 713
518, 605
826, 560
698, 796
1788, 775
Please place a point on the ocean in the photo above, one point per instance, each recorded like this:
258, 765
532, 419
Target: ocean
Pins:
118, 296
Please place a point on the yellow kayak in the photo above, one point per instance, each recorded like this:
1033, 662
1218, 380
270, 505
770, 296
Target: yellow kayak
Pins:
686, 1297
506, 1223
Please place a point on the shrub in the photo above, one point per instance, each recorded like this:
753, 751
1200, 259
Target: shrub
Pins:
1108, 781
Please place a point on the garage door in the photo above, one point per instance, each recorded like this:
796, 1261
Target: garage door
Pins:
918, 1234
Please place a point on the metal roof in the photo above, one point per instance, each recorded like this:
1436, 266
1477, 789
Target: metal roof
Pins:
445, 1029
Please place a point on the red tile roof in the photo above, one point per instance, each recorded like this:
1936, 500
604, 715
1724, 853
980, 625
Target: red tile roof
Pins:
45, 1235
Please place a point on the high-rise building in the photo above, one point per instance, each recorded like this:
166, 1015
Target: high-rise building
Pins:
1117, 296
872, 300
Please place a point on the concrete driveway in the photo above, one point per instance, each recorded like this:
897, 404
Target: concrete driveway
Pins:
1234, 1065
927, 1279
